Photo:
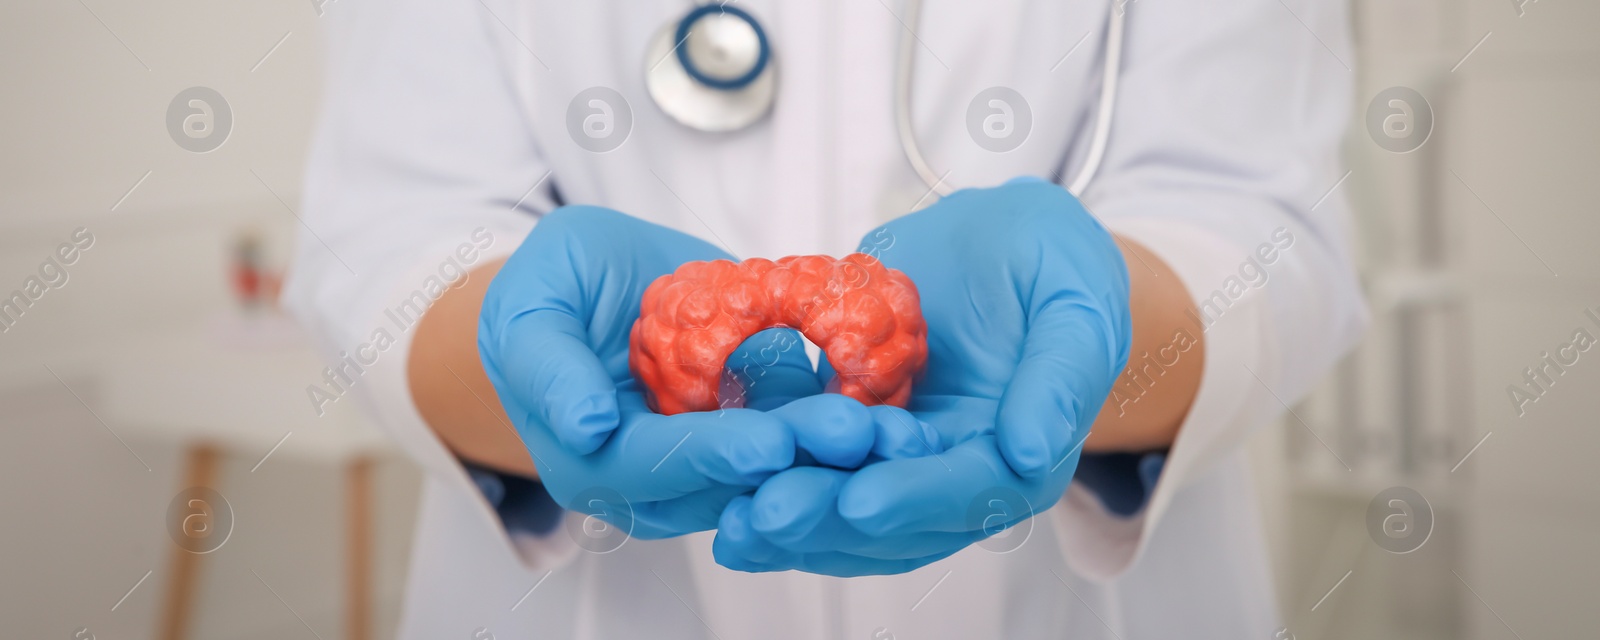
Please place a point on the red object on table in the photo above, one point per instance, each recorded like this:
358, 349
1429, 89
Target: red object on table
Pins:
865, 316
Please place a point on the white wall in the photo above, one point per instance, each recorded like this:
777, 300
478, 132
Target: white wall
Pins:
1516, 123
83, 119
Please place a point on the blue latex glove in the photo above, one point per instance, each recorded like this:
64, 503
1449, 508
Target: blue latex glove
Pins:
553, 336
1026, 299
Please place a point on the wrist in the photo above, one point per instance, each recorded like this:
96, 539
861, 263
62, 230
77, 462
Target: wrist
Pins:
1152, 395
448, 384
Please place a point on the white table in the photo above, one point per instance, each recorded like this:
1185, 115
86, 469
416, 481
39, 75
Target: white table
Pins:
239, 385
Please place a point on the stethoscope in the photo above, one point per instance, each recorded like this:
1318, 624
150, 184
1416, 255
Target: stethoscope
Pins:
713, 71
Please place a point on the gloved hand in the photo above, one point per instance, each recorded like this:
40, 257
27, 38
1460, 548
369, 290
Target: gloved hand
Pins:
1026, 299
553, 337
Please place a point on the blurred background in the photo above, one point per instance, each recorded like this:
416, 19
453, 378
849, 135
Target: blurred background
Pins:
155, 358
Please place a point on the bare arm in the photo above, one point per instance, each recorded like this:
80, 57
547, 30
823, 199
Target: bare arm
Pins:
1152, 396
450, 388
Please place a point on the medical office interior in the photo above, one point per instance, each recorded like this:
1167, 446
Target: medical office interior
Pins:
156, 359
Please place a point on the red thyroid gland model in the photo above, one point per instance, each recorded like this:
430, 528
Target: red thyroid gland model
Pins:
865, 316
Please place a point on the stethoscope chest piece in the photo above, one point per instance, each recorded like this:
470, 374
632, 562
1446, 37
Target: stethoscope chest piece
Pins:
713, 70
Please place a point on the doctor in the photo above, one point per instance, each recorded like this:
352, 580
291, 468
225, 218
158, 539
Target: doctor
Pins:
1071, 464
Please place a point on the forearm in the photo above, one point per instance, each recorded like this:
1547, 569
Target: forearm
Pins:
450, 388
1152, 396
1143, 413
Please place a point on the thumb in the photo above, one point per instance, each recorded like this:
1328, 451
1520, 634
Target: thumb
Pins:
549, 367
1070, 359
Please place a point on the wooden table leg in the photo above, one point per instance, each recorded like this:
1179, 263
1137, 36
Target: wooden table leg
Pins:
358, 551
183, 566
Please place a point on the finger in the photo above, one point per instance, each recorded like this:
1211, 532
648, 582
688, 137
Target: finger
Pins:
654, 457
899, 434
796, 511
844, 565
740, 547
956, 418
1069, 362
698, 511
825, 370
794, 504
953, 492
549, 367
837, 430
772, 369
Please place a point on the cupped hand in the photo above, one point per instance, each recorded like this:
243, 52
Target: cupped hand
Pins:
1026, 299
553, 336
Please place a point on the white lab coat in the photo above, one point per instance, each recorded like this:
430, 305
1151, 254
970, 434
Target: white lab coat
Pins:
444, 116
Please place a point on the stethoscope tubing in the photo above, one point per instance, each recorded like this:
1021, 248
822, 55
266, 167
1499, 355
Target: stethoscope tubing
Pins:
938, 183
